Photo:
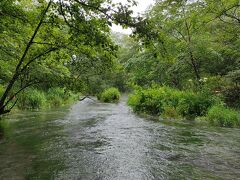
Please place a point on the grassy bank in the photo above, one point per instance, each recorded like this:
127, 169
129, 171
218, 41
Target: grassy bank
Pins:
37, 99
172, 103
223, 116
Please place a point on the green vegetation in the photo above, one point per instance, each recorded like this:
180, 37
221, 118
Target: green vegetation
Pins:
165, 100
189, 50
1, 90
223, 116
56, 96
190, 47
110, 95
47, 46
168, 102
60, 96
36, 99
32, 99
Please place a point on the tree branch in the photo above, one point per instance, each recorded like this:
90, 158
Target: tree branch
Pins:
17, 73
43, 43
37, 57
20, 90
13, 105
85, 97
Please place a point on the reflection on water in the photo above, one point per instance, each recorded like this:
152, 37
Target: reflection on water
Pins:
92, 140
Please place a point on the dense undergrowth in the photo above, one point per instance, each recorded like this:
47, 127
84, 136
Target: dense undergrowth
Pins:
168, 102
37, 99
223, 116
110, 95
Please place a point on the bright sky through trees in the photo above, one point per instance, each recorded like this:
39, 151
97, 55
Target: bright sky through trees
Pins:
140, 8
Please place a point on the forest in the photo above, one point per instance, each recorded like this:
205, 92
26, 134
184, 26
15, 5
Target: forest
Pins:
51, 50
181, 61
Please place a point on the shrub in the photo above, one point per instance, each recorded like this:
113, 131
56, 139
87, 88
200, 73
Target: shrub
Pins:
59, 96
232, 96
215, 84
222, 116
153, 101
110, 95
134, 100
70, 96
32, 99
167, 101
171, 112
192, 105
56, 96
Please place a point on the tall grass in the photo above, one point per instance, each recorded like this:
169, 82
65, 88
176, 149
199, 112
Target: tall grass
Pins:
32, 99
56, 96
168, 102
223, 116
37, 99
157, 101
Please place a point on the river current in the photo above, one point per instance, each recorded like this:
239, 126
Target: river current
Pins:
96, 141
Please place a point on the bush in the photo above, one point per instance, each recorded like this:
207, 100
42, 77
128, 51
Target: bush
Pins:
232, 96
171, 112
172, 102
222, 116
36, 99
56, 96
110, 95
153, 101
32, 99
192, 105
215, 84
59, 96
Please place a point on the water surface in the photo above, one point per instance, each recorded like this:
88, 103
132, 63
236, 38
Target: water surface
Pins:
92, 140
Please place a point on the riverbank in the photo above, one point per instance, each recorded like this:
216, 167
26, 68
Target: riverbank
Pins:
37, 99
172, 103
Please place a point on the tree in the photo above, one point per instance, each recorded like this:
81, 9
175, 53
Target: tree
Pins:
189, 40
50, 32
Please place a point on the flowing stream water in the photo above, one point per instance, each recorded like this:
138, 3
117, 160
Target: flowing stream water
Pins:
96, 141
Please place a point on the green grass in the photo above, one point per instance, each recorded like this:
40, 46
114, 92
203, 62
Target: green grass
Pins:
223, 116
37, 99
55, 97
110, 95
32, 99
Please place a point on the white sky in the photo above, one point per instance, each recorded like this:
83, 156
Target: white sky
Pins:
140, 8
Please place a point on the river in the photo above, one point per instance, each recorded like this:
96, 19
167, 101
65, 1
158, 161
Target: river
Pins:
95, 141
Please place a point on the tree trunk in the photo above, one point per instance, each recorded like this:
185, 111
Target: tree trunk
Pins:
192, 59
18, 67
194, 66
